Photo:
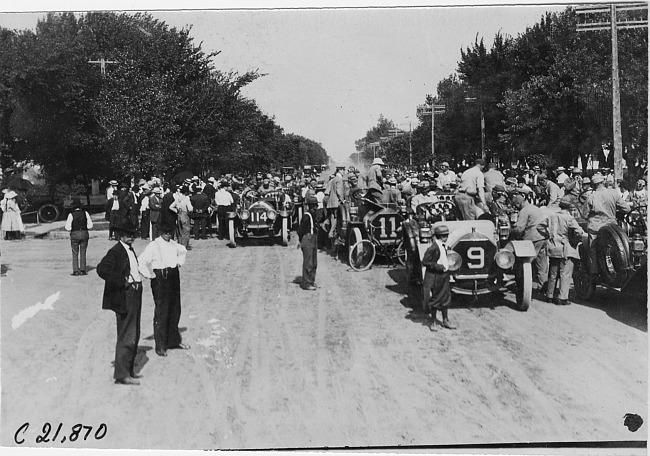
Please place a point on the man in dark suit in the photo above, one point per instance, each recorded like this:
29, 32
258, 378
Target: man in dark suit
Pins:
123, 295
155, 206
437, 292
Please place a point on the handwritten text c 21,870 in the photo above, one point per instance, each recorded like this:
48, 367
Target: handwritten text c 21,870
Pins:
76, 431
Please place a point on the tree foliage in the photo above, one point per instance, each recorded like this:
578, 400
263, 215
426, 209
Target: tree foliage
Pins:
159, 107
546, 93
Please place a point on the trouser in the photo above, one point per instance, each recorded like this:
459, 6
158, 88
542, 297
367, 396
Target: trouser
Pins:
128, 333
593, 254
559, 270
144, 224
199, 227
540, 264
436, 290
113, 222
221, 221
331, 211
309, 244
154, 230
79, 244
166, 290
184, 231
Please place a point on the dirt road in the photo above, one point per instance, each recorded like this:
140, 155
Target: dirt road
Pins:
273, 366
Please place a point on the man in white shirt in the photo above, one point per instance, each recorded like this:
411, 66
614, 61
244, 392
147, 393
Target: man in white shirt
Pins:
223, 200
160, 262
446, 176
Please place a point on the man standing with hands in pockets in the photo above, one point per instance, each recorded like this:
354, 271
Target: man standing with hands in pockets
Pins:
123, 295
160, 262
437, 292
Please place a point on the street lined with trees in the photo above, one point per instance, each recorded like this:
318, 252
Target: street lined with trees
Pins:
546, 94
155, 105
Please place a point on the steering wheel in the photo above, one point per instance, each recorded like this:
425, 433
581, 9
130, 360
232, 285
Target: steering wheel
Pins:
250, 194
359, 193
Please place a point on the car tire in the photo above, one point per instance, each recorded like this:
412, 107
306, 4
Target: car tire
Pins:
613, 255
361, 255
285, 232
524, 290
48, 213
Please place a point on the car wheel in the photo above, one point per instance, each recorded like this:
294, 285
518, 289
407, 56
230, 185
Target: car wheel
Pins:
583, 283
400, 253
361, 255
525, 286
613, 256
285, 232
231, 233
48, 213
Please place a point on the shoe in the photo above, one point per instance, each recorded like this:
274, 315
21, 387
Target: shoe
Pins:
547, 299
83, 273
446, 324
134, 375
160, 352
188, 248
127, 381
75, 273
562, 302
309, 287
180, 347
433, 327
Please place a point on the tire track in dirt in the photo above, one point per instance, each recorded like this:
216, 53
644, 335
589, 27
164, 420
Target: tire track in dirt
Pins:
292, 355
228, 399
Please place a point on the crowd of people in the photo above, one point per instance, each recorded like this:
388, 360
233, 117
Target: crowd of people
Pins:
542, 206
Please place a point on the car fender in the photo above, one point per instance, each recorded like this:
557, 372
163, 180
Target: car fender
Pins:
283, 213
231, 215
522, 248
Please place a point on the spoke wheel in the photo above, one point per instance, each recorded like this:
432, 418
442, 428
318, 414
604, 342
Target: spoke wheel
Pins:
361, 255
48, 213
400, 253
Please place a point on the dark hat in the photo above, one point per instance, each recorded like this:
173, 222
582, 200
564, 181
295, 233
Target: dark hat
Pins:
76, 202
126, 226
523, 190
167, 227
224, 183
566, 202
312, 200
441, 230
498, 188
135, 188
479, 161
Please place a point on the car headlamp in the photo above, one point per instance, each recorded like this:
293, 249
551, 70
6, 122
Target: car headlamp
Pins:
245, 215
271, 214
504, 259
454, 260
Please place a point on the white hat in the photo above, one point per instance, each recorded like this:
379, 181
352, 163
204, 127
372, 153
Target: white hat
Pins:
10, 194
378, 161
560, 168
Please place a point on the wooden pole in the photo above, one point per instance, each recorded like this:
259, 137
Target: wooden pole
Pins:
616, 102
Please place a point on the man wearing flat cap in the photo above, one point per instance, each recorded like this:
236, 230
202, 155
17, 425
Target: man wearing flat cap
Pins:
123, 295
528, 219
308, 242
446, 176
437, 291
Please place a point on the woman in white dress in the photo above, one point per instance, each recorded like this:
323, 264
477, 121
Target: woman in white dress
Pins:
12, 223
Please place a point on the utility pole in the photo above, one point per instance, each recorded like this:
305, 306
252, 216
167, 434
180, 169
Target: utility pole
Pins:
432, 110
613, 25
102, 64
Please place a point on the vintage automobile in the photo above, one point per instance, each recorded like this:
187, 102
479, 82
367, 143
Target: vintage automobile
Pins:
261, 217
621, 256
378, 234
482, 257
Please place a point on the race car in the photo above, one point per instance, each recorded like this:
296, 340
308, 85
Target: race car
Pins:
482, 258
257, 216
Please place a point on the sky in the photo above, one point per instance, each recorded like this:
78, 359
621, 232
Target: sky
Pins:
329, 72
